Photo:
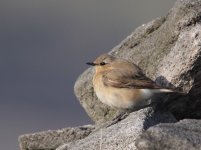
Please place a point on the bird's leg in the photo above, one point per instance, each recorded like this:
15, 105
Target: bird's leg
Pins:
120, 116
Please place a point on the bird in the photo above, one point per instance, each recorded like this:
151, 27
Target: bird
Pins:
120, 83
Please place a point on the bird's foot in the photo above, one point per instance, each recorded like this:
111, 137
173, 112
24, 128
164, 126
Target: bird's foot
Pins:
107, 124
118, 118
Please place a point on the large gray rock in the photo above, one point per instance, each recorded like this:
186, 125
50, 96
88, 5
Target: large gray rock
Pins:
50, 140
121, 135
184, 135
168, 49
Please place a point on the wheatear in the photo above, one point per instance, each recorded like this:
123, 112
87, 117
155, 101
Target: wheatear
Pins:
122, 84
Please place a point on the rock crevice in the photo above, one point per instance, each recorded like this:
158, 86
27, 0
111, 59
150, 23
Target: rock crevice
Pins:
168, 49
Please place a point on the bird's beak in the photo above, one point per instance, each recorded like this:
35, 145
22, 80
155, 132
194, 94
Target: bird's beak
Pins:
91, 64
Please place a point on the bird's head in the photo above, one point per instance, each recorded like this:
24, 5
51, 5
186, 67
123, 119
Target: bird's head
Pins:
102, 62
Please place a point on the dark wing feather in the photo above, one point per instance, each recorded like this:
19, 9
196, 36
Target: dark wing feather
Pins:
120, 78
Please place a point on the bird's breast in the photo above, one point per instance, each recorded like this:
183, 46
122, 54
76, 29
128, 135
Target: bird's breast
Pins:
117, 97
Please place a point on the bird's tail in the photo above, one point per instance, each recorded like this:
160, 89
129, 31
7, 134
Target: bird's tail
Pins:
170, 91
166, 90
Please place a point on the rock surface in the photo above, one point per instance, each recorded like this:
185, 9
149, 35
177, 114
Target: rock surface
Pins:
168, 49
184, 135
50, 140
123, 134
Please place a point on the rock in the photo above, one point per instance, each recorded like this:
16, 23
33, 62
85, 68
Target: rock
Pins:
168, 49
184, 135
49, 140
123, 134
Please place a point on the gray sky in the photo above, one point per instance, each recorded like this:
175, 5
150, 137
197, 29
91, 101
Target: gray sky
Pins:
43, 49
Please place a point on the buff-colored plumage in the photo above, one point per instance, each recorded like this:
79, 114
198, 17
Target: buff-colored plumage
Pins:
120, 83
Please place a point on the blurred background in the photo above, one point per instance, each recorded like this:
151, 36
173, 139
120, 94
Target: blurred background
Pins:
44, 45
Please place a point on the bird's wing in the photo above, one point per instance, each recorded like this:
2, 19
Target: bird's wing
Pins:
120, 78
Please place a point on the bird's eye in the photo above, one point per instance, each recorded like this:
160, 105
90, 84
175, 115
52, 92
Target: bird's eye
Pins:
102, 63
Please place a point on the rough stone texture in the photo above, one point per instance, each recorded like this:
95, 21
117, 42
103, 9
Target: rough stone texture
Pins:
184, 135
168, 49
123, 134
49, 140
